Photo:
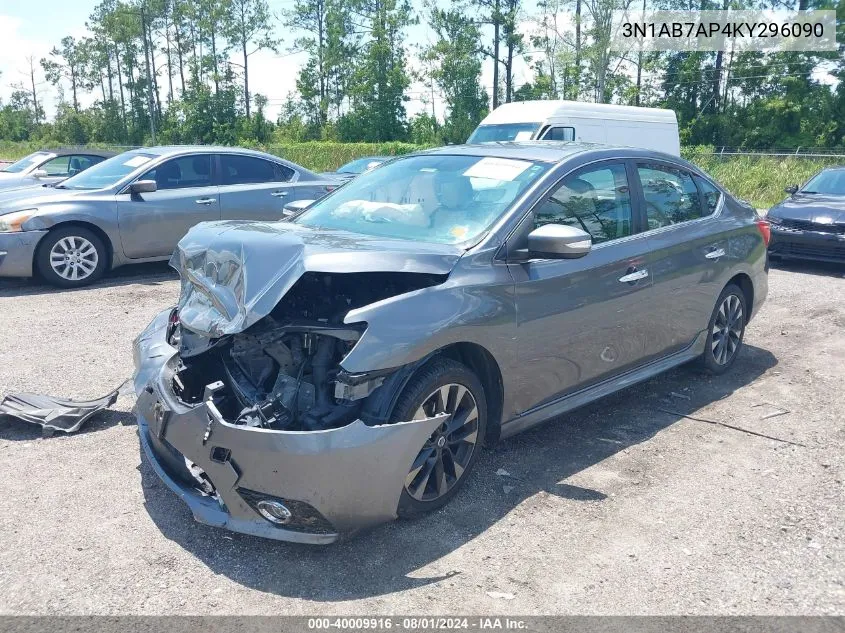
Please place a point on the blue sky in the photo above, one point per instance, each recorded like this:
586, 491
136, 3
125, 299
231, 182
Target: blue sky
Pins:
33, 27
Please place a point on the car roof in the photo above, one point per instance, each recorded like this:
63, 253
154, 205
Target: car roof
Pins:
547, 151
86, 151
175, 150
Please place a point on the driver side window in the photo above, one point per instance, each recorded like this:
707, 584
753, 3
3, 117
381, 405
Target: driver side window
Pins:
57, 167
596, 200
182, 172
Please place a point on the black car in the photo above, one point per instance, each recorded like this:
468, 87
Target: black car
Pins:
810, 223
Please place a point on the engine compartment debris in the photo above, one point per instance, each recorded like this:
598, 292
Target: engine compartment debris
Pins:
284, 373
57, 414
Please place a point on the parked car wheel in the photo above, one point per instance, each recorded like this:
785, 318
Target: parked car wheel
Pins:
725, 331
446, 458
70, 257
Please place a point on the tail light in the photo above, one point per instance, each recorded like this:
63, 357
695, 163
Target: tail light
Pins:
330, 187
765, 230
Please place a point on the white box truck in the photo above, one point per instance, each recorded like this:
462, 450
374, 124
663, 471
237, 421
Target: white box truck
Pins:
649, 128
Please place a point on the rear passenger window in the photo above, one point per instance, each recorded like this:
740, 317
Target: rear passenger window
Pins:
597, 201
238, 170
670, 195
709, 193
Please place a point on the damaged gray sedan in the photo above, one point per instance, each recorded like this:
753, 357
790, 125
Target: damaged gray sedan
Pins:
342, 368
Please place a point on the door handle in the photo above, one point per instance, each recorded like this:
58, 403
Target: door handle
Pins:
279, 194
715, 253
204, 200
633, 276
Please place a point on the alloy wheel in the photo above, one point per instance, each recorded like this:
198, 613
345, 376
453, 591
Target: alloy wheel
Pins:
727, 330
74, 258
445, 455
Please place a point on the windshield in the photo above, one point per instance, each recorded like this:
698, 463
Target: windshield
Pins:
429, 198
360, 165
26, 162
831, 182
107, 173
503, 132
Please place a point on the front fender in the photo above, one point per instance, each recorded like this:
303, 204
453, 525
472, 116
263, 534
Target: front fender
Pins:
103, 216
476, 305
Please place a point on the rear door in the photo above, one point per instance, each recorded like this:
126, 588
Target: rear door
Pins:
252, 188
689, 248
151, 224
583, 320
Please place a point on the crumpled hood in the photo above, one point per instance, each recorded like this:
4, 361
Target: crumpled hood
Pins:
235, 272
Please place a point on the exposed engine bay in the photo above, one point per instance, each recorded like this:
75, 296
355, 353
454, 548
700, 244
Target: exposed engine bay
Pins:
283, 372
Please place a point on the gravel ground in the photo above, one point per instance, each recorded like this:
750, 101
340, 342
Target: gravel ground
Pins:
620, 508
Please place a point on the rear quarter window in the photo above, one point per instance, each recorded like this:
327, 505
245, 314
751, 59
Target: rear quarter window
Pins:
710, 195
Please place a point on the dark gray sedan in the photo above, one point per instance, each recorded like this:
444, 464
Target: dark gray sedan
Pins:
136, 206
810, 223
342, 368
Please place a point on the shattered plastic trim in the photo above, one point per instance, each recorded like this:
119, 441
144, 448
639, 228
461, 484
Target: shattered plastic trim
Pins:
52, 413
353, 475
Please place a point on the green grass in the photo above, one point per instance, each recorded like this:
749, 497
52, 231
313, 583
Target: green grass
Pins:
759, 180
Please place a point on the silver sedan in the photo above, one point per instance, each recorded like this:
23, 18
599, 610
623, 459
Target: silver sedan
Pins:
136, 206
48, 167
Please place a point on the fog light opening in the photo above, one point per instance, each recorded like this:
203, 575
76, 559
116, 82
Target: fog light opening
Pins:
274, 511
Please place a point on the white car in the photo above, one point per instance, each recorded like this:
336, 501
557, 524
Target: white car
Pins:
49, 167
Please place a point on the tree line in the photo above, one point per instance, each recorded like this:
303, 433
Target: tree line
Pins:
178, 71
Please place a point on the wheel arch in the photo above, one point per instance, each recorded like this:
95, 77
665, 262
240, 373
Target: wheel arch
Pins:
745, 284
99, 232
483, 364
478, 359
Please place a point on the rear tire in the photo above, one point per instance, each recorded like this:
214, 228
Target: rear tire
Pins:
444, 461
725, 331
71, 257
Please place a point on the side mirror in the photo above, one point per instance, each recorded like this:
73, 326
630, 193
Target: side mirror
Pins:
40, 173
294, 207
791, 189
559, 241
142, 186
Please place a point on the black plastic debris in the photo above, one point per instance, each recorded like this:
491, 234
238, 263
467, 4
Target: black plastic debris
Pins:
57, 414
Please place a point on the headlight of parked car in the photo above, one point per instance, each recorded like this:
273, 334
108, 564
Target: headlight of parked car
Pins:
11, 222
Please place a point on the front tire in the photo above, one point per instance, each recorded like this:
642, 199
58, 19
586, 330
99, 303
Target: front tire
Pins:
71, 257
725, 331
445, 460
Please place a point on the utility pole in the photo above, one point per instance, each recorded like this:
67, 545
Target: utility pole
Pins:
150, 101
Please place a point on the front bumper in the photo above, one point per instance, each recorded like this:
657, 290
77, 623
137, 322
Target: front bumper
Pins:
17, 252
335, 481
814, 245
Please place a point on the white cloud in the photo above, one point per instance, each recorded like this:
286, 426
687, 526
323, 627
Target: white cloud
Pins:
14, 52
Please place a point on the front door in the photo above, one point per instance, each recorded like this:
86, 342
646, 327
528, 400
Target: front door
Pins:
582, 320
151, 224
